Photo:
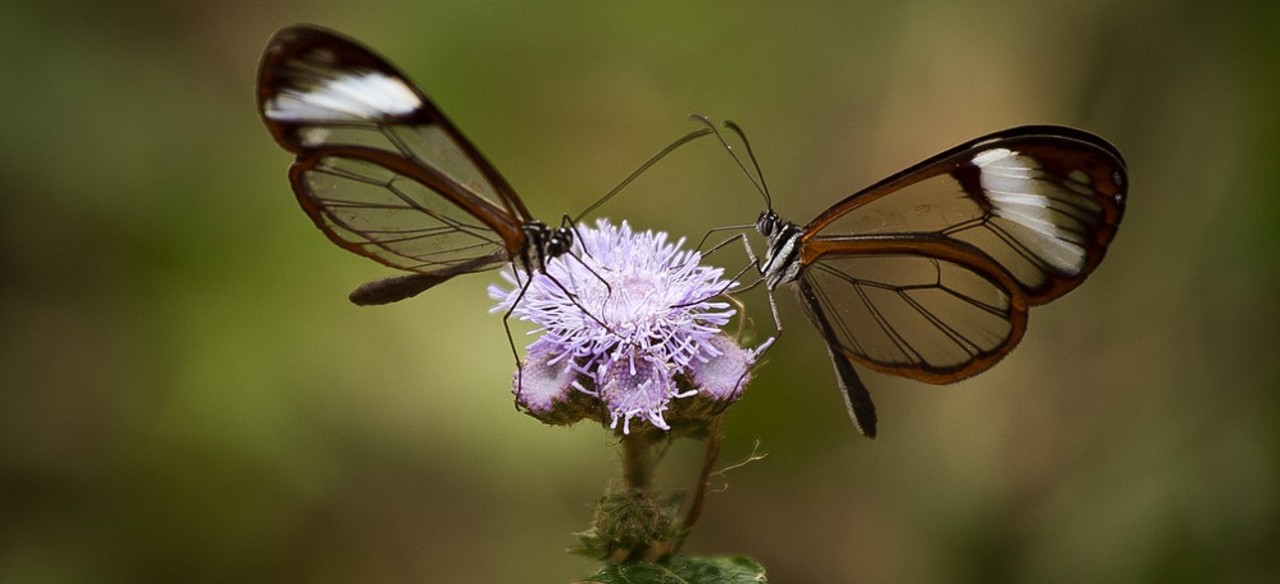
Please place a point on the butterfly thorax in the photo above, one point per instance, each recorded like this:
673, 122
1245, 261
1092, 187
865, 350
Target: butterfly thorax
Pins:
541, 243
782, 260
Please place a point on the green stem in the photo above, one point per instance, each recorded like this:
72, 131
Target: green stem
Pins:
637, 461
715, 438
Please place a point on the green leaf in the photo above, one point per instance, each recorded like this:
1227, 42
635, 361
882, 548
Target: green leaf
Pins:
682, 570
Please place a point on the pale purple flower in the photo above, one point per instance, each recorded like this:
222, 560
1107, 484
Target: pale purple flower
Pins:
631, 349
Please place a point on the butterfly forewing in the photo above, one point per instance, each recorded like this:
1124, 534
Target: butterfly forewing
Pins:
380, 169
924, 308
1042, 202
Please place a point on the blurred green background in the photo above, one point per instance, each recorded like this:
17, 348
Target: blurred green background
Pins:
188, 396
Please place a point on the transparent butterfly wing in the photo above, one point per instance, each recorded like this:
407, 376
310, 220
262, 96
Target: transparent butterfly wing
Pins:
380, 206
924, 308
929, 273
380, 169
1043, 202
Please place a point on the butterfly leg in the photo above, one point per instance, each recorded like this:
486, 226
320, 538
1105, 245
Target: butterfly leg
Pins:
511, 341
713, 230
565, 221
773, 307
506, 325
752, 262
573, 298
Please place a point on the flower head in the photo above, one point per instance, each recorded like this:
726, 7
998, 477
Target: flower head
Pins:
627, 325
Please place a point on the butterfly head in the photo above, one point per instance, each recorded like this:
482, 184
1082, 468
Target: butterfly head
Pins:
768, 223
559, 242
542, 243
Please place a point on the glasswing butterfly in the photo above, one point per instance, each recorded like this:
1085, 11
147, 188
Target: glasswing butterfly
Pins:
384, 174
929, 273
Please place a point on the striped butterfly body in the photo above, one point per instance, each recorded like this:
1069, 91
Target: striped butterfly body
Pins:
384, 174
929, 274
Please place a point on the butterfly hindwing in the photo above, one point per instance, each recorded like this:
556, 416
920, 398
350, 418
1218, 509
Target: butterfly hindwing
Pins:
924, 307
388, 209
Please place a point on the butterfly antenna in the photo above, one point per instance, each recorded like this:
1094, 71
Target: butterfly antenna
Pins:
757, 179
764, 188
685, 139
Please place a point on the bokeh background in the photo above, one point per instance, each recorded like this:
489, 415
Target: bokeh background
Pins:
187, 396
